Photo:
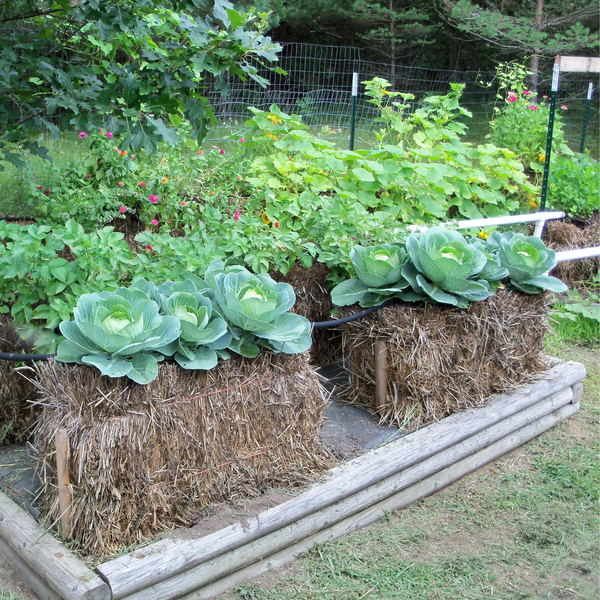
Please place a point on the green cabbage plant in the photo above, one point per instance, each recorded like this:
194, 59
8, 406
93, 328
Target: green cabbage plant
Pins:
445, 268
119, 333
527, 260
204, 335
493, 271
255, 307
379, 272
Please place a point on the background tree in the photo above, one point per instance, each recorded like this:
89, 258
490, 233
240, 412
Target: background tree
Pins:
534, 28
139, 64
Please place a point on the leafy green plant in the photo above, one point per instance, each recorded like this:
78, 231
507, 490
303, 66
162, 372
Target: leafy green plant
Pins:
573, 185
578, 318
255, 306
444, 267
379, 272
527, 260
119, 333
203, 336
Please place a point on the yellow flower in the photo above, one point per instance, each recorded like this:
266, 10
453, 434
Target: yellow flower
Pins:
265, 218
542, 157
273, 137
322, 173
163, 159
533, 204
483, 235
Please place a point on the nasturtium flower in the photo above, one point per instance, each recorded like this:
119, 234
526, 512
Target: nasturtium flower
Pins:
123, 153
148, 247
200, 152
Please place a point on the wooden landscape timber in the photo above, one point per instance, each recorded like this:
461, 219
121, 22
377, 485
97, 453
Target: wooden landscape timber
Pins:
353, 495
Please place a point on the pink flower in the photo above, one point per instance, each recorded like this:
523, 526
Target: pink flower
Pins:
183, 203
527, 93
39, 187
82, 134
109, 135
239, 177
276, 223
87, 176
149, 247
236, 216
533, 107
154, 221
221, 151
564, 107
154, 198
512, 97
47, 192
215, 147
142, 184
228, 211
121, 183
122, 210
242, 140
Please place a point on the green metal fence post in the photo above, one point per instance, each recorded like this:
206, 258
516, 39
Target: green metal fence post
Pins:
353, 114
554, 93
587, 114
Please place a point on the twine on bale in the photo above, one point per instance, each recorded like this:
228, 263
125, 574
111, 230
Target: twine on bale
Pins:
140, 465
443, 359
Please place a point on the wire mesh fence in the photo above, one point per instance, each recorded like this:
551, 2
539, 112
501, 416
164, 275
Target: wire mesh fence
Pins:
319, 81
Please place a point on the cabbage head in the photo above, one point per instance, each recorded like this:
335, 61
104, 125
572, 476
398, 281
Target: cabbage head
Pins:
379, 272
445, 267
493, 272
119, 333
256, 309
204, 335
527, 260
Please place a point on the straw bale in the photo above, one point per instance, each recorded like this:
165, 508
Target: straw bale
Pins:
143, 458
442, 359
313, 301
17, 414
562, 235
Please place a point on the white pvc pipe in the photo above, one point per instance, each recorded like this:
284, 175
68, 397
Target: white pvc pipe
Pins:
574, 254
540, 216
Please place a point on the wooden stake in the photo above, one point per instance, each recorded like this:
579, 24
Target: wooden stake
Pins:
380, 350
62, 470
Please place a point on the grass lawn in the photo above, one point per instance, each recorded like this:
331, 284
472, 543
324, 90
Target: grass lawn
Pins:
525, 526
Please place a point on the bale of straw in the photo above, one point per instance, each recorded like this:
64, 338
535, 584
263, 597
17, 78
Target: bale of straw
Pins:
144, 457
17, 414
561, 235
313, 301
442, 359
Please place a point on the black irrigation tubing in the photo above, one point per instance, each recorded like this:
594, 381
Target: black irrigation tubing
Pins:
319, 325
15, 219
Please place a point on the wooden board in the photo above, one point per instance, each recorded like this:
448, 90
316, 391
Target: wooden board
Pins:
45, 563
578, 64
164, 560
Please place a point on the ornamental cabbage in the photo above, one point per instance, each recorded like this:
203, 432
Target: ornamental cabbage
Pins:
444, 267
119, 333
527, 260
255, 306
379, 272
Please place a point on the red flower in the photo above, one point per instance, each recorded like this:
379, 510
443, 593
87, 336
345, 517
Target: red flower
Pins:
149, 247
276, 223
47, 192
142, 184
39, 187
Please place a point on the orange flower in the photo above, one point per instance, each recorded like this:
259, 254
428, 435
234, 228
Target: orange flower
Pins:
124, 153
164, 180
200, 152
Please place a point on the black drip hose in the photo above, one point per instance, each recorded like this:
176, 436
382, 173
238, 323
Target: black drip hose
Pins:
354, 317
319, 325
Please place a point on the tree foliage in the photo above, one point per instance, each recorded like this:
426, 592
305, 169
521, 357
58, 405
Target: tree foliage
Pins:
139, 64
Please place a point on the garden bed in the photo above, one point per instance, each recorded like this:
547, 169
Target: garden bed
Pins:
351, 496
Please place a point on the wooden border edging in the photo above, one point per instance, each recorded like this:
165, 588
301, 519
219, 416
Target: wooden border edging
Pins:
354, 494
170, 569
51, 571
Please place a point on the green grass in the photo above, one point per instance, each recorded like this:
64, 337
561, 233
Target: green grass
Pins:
525, 527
